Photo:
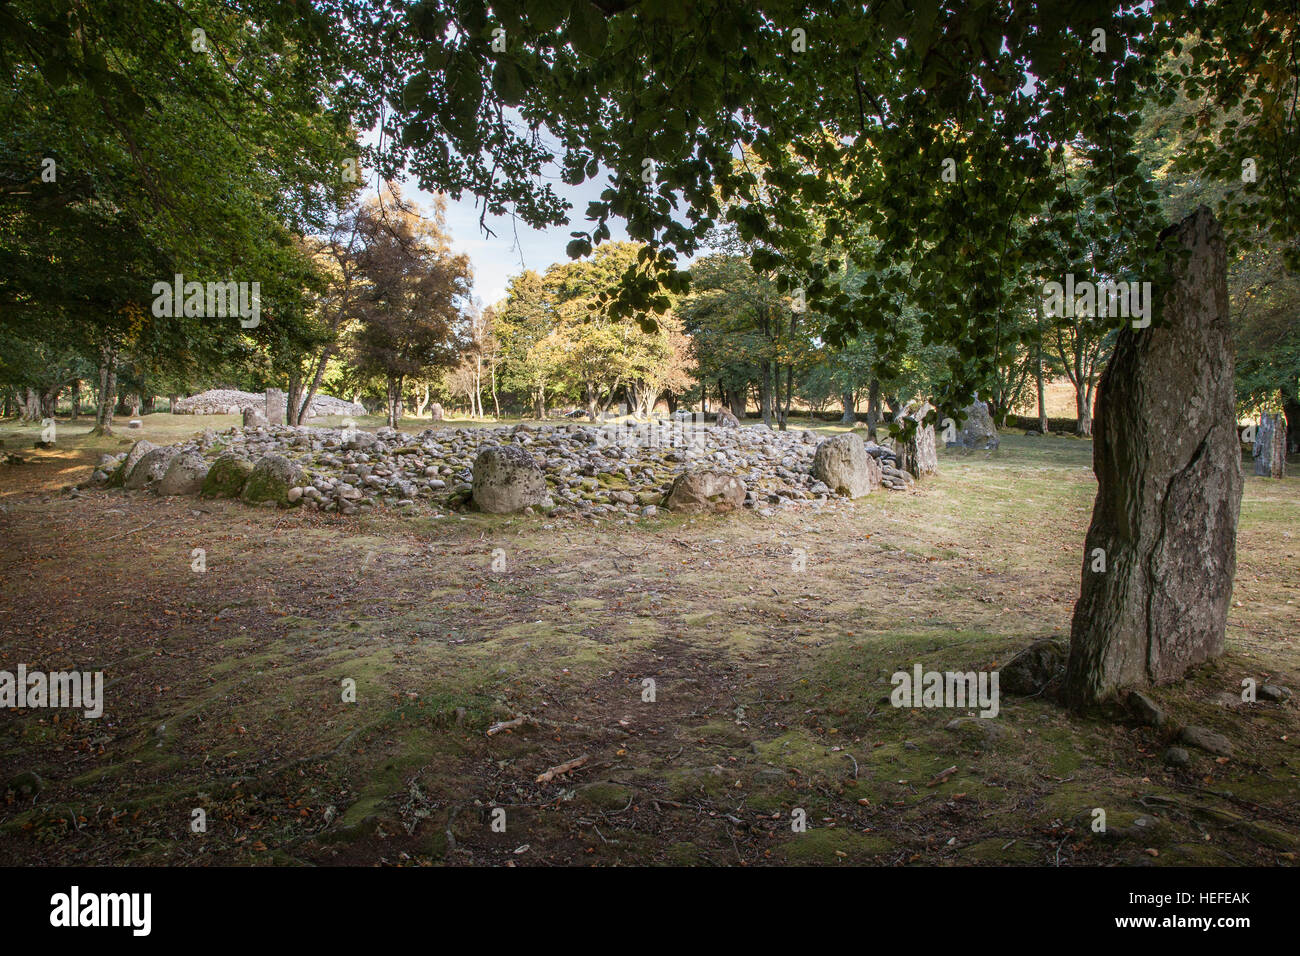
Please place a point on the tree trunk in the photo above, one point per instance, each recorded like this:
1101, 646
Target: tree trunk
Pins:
1161, 550
873, 406
850, 416
394, 404
1291, 410
1083, 408
293, 398
789, 395
304, 409
765, 393
1042, 395
107, 389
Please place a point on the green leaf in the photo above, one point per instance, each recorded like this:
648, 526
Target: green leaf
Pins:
588, 31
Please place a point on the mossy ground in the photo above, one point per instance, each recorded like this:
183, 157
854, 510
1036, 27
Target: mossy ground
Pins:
770, 643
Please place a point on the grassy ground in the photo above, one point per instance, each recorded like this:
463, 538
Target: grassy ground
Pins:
770, 683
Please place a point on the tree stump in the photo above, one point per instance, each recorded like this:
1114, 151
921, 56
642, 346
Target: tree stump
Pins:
1161, 551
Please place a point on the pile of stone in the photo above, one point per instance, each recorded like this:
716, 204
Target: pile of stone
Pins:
229, 401
586, 470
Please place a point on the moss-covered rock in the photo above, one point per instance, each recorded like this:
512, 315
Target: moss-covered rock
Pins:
227, 477
271, 479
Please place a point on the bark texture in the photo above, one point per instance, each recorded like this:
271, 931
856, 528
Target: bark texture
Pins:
1169, 479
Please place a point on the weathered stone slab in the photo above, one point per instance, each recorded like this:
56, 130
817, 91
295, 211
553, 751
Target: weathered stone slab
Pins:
275, 406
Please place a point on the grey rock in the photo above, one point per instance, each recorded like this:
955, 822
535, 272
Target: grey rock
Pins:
1204, 739
1033, 669
843, 464
977, 430
703, 490
184, 476
150, 468
507, 479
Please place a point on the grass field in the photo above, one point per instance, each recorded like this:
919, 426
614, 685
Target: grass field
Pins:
770, 683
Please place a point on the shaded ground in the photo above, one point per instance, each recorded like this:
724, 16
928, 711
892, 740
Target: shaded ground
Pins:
771, 683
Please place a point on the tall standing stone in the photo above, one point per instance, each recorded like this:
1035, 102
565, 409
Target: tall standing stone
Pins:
917, 455
977, 429
1168, 465
275, 406
1269, 450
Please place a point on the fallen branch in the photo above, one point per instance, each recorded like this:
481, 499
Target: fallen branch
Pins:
942, 775
549, 775
509, 725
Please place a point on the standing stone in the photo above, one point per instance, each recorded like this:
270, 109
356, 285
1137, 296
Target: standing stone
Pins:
917, 455
275, 406
1269, 450
726, 419
843, 464
1168, 464
977, 430
436, 412
507, 479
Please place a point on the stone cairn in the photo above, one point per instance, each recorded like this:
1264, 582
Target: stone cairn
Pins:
614, 470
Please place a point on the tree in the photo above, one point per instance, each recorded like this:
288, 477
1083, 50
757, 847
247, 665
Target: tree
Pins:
410, 316
524, 324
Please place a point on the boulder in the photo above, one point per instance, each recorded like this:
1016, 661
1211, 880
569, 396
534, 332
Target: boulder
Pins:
507, 479
253, 418
360, 441
977, 430
1205, 739
703, 490
184, 475
1033, 669
726, 419
227, 477
843, 464
271, 479
141, 448
150, 468
1168, 462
